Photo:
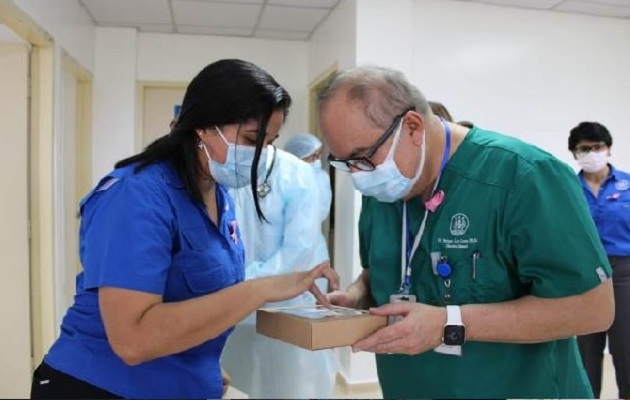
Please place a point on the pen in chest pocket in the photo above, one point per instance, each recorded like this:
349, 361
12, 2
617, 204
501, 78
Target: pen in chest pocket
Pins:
476, 255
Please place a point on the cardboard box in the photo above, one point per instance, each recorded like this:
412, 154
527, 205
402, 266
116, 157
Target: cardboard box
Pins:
317, 327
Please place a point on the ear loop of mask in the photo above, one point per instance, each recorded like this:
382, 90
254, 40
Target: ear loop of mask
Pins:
202, 145
222, 136
392, 150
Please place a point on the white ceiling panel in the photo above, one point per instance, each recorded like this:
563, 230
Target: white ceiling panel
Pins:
283, 35
157, 28
229, 15
277, 19
213, 30
537, 4
304, 3
623, 3
291, 18
584, 7
234, 1
129, 11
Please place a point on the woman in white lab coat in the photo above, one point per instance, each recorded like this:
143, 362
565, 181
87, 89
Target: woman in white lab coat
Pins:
290, 201
309, 149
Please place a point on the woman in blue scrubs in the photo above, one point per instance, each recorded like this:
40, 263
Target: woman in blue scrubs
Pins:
163, 264
607, 192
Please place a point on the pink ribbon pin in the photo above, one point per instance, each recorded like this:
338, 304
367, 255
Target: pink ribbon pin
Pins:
614, 196
433, 203
233, 235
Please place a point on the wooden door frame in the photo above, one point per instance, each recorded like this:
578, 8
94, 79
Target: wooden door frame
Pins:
40, 154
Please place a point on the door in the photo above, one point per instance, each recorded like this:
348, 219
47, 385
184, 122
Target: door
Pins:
15, 329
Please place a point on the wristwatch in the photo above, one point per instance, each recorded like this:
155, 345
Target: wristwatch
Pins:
454, 330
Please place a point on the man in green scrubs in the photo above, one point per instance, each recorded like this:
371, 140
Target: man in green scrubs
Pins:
497, 233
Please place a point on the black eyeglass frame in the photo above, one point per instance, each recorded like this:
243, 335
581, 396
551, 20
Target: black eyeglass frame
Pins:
587, 148
364, 163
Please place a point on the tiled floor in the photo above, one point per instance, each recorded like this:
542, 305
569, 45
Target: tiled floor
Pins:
609, 387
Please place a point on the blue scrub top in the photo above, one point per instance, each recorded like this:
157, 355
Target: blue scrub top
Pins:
142, 231
611, 211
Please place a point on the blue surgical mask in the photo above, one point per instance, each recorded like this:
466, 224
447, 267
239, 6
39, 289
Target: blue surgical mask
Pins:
236, 171
317, 164
386, 183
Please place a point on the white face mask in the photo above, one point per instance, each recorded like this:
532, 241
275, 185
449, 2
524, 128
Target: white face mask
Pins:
593, 161
386, 183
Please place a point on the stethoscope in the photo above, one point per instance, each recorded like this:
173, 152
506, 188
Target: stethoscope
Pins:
264, 188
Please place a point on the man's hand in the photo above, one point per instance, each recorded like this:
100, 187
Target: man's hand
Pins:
356, 296
420, 330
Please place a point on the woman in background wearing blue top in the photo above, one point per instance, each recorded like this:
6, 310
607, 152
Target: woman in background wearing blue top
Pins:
162, 255
607, 192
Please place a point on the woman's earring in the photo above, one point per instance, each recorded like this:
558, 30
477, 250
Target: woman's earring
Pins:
200, 144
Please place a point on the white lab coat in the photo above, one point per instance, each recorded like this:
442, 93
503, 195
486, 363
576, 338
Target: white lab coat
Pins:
260, 366
325, 199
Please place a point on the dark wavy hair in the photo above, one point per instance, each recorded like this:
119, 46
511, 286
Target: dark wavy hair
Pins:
225, 92
592, 131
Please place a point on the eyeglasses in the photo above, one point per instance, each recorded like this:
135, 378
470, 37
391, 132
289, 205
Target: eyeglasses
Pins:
587, 148
365, 163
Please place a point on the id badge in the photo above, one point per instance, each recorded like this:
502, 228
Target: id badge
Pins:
399, 298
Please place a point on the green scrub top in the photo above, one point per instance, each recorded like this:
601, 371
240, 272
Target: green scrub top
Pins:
523, 211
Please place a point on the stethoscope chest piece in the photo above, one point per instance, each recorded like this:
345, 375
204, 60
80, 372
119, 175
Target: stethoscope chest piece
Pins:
263, 189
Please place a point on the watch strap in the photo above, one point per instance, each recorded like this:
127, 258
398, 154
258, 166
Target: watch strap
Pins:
453, 315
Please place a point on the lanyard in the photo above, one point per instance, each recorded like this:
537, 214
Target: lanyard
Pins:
408, 250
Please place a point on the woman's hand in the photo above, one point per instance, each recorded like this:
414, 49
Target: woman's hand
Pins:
287, 286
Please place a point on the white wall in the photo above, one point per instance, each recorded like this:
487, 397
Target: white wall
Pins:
178, 58
114, 124
385, 34
334, 41
528, 73
68, 23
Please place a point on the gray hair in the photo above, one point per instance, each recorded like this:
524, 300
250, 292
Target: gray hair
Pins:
382, 92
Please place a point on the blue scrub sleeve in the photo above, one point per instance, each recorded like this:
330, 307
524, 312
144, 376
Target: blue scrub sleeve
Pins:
301, 230
127, 237
551, 233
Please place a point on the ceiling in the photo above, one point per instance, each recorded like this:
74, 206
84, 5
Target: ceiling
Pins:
277, 19
602, 8
273, 19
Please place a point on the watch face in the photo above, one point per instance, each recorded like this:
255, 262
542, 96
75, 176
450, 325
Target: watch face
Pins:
454, 335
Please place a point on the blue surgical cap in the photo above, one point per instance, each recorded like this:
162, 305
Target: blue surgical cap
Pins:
302, 145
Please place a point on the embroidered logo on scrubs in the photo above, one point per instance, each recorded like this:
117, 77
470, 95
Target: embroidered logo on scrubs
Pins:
233, 225
459, 224
622, 184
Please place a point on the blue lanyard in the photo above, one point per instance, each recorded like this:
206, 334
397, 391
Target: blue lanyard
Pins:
410, 248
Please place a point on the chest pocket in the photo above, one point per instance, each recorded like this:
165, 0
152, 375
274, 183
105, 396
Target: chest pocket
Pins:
205, 263
621, 203
478, 276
